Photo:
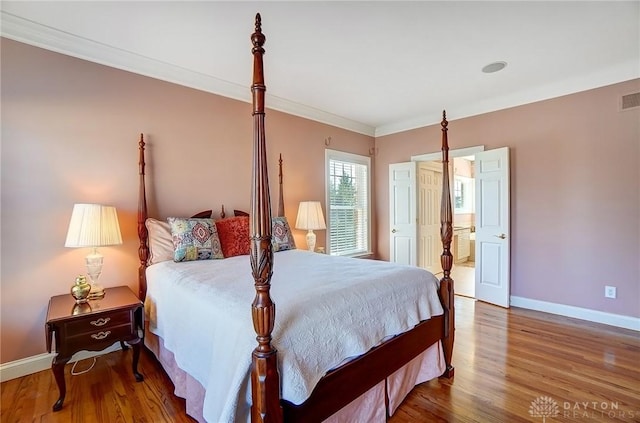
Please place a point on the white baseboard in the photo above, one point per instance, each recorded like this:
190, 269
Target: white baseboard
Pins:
40, 362
617, 320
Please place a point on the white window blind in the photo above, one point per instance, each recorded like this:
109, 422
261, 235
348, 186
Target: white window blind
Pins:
348, 203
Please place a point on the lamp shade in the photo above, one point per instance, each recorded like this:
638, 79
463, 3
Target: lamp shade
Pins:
93, 225
310, 216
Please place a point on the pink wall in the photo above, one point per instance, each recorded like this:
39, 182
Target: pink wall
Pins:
70, 130
575, 201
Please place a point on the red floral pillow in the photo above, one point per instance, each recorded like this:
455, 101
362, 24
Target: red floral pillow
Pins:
234, 236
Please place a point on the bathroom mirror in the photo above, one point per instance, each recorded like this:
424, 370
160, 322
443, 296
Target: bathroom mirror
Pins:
463, 194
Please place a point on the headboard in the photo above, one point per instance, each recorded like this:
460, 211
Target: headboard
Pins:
143, 233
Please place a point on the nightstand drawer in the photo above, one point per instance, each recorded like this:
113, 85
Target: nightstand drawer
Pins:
98, 323
86, 340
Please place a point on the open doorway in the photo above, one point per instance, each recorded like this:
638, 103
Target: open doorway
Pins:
464, 225
463, 198
491, 259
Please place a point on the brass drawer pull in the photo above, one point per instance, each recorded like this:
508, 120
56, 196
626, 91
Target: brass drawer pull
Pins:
101, 335
101, 321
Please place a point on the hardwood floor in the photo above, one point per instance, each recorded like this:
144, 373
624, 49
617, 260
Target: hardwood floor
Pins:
464, 275
106, 394
508, 363
507, 359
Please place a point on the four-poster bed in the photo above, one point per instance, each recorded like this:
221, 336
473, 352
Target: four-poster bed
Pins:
282, 386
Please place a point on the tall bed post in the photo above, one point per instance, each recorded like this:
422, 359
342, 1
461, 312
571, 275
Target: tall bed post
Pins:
446, 259
281, 195
265, 380
143, 234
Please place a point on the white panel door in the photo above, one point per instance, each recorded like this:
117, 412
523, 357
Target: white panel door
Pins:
492, 226
402, 213
429, 197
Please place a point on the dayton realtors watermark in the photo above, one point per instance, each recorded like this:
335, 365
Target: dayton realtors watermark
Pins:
546, 407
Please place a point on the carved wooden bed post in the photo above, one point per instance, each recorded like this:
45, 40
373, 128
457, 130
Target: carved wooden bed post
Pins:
143, 234
446, 259
265, 380
281, 195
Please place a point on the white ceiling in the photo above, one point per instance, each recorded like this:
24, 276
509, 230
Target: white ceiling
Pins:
370, 66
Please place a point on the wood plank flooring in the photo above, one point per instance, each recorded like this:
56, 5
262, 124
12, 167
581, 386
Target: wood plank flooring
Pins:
508, 363
507, 359
464, 276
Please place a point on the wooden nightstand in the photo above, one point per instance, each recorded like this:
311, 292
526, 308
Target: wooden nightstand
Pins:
93, 326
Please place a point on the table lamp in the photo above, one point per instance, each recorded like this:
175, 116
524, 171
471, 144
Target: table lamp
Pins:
310, 218
93, 225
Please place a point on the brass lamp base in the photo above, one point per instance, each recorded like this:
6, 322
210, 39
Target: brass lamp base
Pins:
97, 291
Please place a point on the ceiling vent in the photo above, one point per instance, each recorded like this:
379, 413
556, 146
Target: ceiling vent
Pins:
630, 101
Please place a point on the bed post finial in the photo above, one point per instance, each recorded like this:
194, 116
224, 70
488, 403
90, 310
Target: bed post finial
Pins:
258, 38
445, 140
446, 259
258, 88
265, 380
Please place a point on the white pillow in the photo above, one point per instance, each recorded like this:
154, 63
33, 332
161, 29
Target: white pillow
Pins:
160, 242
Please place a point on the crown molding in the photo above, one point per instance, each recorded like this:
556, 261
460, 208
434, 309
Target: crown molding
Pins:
29, 32
35, 34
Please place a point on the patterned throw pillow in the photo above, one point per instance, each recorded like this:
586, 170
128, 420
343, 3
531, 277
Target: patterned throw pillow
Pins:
194, 239
234, 236
281, 236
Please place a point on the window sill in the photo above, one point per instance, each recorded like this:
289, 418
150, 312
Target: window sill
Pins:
368, 255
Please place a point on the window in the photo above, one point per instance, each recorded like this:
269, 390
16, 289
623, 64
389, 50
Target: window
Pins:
463, 195
348, 203
458, 193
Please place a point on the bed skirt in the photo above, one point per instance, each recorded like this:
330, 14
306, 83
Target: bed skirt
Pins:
371, 407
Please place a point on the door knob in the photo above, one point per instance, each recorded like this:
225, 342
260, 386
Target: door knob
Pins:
501, 236
393, 231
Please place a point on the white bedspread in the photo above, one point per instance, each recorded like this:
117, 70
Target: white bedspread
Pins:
327, 309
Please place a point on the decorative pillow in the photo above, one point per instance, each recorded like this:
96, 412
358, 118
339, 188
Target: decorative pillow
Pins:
240, 213
281, 237
159, 242
234, 236
194, 239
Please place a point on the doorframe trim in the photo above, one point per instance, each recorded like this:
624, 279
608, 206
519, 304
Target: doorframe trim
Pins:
459, 152
437, 156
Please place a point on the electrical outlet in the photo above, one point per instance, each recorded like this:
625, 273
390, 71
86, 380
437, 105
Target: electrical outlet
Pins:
610, 291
